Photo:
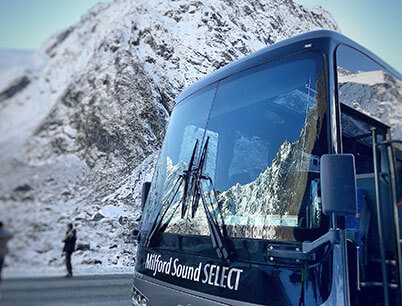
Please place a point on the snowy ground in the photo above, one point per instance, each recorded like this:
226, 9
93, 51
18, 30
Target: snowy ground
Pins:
104, 228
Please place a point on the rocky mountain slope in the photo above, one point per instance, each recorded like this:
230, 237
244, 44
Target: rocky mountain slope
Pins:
81, 128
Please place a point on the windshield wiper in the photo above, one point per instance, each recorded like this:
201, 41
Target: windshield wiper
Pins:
185, 177
195, 176
216, 236
197, 193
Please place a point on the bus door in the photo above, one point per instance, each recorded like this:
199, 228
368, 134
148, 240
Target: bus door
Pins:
372, 234
397, 148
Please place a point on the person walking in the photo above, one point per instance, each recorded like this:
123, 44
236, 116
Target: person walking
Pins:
4, 237
69, 247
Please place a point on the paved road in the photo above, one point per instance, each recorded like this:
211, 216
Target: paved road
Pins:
110, 290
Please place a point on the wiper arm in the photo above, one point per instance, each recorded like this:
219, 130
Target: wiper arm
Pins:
195, 191
185, 177
216, 236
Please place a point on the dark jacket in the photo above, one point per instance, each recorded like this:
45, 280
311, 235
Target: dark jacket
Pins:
4, 237
69, 241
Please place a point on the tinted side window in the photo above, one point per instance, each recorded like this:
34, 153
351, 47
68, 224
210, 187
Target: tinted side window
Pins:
398, 167
368, 87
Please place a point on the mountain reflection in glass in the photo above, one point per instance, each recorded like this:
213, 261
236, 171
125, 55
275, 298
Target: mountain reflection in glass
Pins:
369, 88
267, 130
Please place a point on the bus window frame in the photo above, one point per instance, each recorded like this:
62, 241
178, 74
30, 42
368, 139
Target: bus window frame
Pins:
390, 156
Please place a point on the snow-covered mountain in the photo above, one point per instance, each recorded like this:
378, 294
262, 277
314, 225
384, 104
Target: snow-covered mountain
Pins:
81, 128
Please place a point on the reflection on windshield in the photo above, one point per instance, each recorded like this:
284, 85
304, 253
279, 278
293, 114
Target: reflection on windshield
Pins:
367, 87
266, 133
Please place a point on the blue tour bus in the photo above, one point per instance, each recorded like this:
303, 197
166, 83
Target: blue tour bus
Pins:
277, 183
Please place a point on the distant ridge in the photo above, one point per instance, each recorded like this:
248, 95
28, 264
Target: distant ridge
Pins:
10, 58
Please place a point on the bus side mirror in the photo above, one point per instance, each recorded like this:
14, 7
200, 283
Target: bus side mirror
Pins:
144, 194
338, 184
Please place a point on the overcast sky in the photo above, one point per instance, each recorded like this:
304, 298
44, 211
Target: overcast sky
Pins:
375, 24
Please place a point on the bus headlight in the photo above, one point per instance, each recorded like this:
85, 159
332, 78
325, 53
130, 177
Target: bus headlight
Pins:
138, 298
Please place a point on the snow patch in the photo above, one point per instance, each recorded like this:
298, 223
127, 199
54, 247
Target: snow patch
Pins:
110, 211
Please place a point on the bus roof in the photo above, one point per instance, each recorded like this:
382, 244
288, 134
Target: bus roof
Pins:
288, 46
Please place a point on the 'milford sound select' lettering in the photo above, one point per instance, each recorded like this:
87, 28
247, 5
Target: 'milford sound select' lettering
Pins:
221, 276
214, 275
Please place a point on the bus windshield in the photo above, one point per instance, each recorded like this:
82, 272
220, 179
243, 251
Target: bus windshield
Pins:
266, 130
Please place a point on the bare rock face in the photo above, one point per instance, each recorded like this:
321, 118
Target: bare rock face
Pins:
82, 126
